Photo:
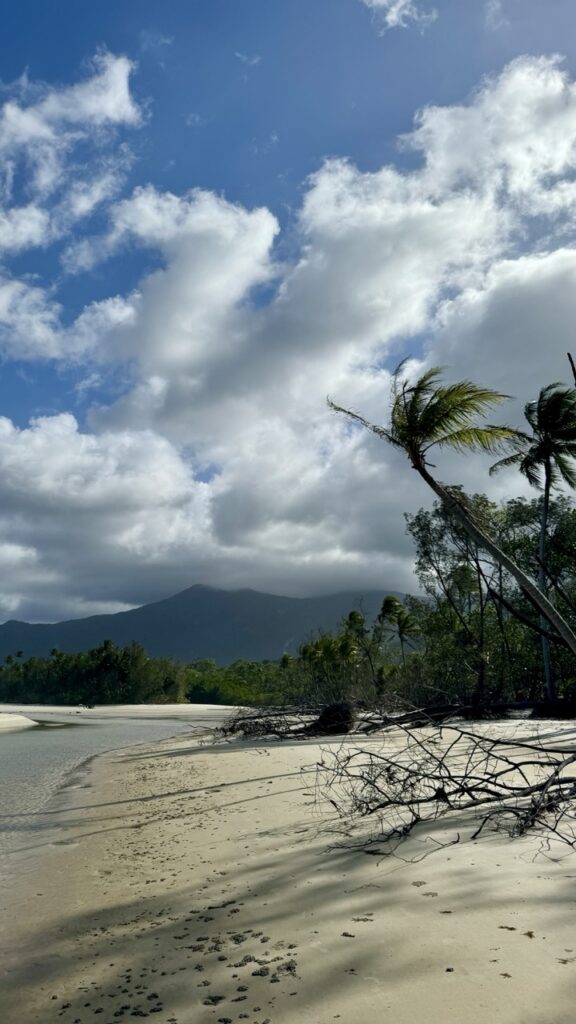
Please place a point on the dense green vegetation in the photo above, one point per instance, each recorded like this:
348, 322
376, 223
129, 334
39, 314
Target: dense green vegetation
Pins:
105, 675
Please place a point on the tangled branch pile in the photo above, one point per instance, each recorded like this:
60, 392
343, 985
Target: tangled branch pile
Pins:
416, 776
292, 723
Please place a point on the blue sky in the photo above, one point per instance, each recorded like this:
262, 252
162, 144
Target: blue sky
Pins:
215, 212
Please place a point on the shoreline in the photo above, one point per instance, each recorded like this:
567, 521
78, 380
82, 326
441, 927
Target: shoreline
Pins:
40, 750
194, 884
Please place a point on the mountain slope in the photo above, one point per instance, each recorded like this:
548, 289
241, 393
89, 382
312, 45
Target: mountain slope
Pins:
201, 622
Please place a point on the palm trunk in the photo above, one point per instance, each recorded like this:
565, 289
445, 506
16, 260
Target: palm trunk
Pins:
546, 608
480, 694
548, 679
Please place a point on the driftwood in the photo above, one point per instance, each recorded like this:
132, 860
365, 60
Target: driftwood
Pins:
431, 765
496, 782
293, 722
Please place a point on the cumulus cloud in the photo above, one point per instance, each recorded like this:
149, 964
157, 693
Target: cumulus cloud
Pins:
516, 323
402, 13
73, 502
84, 511
515, 141
29, 321
220, 462
378, 253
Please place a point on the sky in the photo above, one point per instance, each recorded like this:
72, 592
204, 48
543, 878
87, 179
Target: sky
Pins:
216, 213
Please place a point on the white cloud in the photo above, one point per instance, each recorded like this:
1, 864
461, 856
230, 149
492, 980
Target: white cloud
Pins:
243, 383
31, 327
516, 140
214, 253
22, 228
78, 500
402, 13
515, 324
42, 131
29, 321
221, 462
39, 130
104, 98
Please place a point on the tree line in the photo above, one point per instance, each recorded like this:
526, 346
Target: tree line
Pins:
108, 674
104, 675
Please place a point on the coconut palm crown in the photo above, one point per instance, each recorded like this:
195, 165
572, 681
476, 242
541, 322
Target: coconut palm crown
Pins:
427, 413
547, 454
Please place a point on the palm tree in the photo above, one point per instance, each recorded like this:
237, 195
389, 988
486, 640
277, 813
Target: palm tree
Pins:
428, 414
402, 622
545, 457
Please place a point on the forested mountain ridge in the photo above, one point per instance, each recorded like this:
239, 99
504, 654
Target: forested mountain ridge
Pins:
200, 622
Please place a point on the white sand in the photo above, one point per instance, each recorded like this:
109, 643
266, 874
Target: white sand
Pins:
13, 721
214, 712
189, 873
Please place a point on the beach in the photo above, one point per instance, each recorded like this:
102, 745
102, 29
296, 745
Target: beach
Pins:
195, 883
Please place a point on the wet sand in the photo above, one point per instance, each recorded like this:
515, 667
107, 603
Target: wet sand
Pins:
194, 884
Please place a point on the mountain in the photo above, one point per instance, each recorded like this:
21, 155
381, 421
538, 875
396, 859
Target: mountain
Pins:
201, 622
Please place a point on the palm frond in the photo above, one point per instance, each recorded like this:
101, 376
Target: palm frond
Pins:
374, 427
455, 407
505, 463
566, 470
427, 381
532, 467
489, 439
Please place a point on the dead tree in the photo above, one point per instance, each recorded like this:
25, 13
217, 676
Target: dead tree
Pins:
417, 776
292, 722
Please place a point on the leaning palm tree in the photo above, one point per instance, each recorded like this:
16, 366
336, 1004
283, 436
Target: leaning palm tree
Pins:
427, 414
546, 458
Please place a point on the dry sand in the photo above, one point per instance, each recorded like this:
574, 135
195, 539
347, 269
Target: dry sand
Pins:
13, 721
196, 884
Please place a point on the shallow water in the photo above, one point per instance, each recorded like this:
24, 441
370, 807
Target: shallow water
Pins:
35, 762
